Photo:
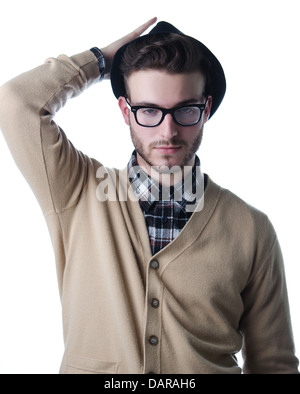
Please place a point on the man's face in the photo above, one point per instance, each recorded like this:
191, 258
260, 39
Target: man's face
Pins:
167, 144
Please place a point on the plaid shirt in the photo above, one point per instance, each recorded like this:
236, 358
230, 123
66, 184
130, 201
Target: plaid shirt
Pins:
165, 209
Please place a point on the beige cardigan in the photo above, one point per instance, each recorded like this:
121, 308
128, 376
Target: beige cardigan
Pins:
220, 284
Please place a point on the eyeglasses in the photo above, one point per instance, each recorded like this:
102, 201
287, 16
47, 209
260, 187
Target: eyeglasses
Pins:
187, 115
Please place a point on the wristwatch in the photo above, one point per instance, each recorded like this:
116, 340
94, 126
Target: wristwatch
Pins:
101, 61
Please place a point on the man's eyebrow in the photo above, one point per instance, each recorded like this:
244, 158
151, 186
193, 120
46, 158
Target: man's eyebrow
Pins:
179, 104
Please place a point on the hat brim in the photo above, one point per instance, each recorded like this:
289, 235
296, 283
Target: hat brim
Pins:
217, 77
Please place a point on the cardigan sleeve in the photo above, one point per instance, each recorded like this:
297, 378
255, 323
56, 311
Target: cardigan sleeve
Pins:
54, 169
268, 346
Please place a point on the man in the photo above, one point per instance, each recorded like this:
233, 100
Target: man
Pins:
160, 270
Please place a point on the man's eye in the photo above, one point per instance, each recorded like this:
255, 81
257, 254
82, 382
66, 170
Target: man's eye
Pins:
187, 110
150, 111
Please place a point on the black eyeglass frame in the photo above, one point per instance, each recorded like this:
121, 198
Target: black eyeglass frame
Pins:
165, 111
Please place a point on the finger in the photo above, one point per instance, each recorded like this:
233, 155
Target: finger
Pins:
140, 30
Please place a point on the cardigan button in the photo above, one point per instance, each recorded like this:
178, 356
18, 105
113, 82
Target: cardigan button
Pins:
153, 340
155, 303
154, 265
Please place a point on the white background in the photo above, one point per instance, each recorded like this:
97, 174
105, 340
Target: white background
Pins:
250, 145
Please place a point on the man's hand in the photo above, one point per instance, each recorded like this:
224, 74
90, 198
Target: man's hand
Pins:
111, 49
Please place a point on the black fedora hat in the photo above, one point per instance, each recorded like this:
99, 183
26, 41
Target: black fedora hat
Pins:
217, 77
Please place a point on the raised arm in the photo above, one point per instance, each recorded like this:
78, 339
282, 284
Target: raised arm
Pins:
55, 170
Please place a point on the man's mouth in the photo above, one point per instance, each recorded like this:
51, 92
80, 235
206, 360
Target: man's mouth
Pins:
169, 149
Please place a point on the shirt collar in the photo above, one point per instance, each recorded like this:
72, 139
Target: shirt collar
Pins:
148, 191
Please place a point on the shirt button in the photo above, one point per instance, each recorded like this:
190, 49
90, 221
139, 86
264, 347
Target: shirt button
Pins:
154, 265
153, 340
155, 303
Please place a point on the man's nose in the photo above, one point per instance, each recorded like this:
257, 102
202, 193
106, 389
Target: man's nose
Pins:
168, 128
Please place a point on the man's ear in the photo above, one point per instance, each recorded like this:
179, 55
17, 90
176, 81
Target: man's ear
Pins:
207, 109
124, 109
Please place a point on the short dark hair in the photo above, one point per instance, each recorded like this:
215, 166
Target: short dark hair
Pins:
171, 52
